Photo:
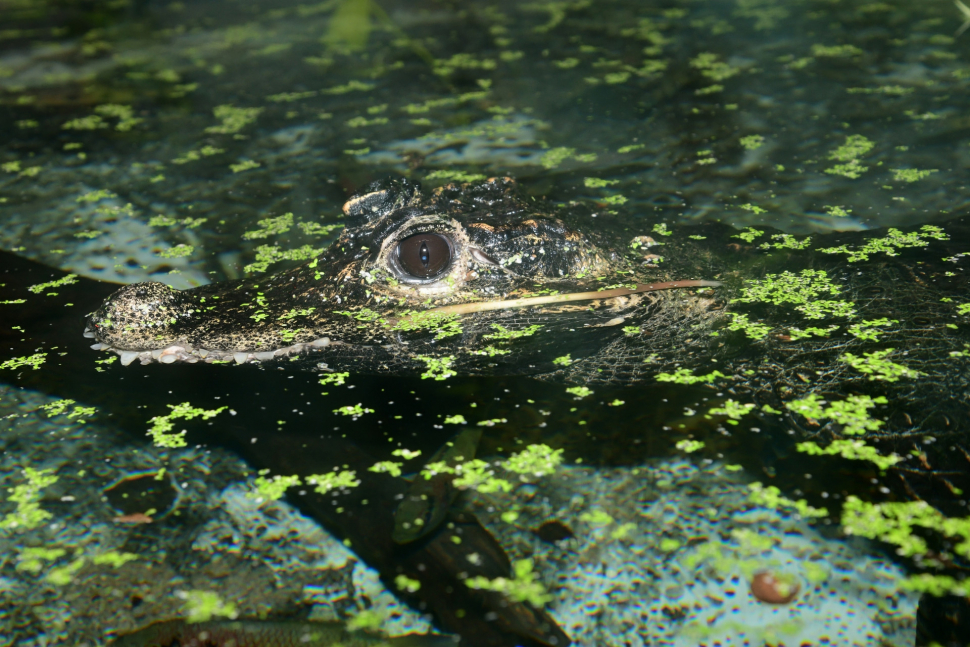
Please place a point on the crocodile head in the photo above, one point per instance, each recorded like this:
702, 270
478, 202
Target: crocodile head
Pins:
415, 284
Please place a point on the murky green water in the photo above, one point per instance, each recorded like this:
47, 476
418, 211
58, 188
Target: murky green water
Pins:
153, 141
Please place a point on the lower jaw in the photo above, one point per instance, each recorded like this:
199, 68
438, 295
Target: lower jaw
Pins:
188, 354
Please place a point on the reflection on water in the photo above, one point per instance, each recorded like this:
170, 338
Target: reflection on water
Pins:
191, 143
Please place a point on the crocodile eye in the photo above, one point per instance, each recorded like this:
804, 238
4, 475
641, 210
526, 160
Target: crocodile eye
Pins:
424, 256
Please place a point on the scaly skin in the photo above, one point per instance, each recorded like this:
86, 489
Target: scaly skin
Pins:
354, 306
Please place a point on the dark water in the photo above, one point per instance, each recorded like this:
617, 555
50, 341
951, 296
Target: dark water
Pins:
142, 140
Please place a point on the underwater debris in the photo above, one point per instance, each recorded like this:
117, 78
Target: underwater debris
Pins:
142, 497
553, 531
774, 589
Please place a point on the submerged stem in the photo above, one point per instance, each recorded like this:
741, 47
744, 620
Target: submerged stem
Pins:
483, 306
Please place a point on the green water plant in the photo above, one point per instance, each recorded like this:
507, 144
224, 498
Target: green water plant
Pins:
877, 367
60, 406
437, 368
64, 574
478, 475
890, 244
491, 422
797, 333
443, 325
579, 391
354, 410
912, 174
233, 119
336, 379
203, 606
802, 290
271, 227
852, 413
853, 449
535, 460
161, 426
272, 488
32, 558
732, 409
67, 279
689, 446
748, 234
893, 522
848, 153
786, 241
28, 513
752, 329
752, 142
686, 376
771, 497
524, 586
324, 483
405, 583
34, 361
386, 467
505, 334
868, 330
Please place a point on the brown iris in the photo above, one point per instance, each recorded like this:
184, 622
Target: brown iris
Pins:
424, 256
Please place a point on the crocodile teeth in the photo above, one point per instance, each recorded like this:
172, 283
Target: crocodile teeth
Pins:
89, 333
320, 343
264, 356
98, 346
240, 357
167, 359
157, 353
128, 356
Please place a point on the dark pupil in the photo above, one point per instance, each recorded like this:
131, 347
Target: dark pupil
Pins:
424, 256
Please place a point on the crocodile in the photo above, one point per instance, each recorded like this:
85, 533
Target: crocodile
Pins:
453, 281
475, 280
879, 320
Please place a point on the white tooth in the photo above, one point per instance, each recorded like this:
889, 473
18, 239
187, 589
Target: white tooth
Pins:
203, 353
264, 356
173, 349
320, 343
167, 359
192, 360
88, 333
240, 357
128, 356
98, 346
157, 353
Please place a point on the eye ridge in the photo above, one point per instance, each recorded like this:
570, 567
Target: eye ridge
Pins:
424, 256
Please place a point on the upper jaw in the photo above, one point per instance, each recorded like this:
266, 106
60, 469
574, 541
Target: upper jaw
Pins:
186, 352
